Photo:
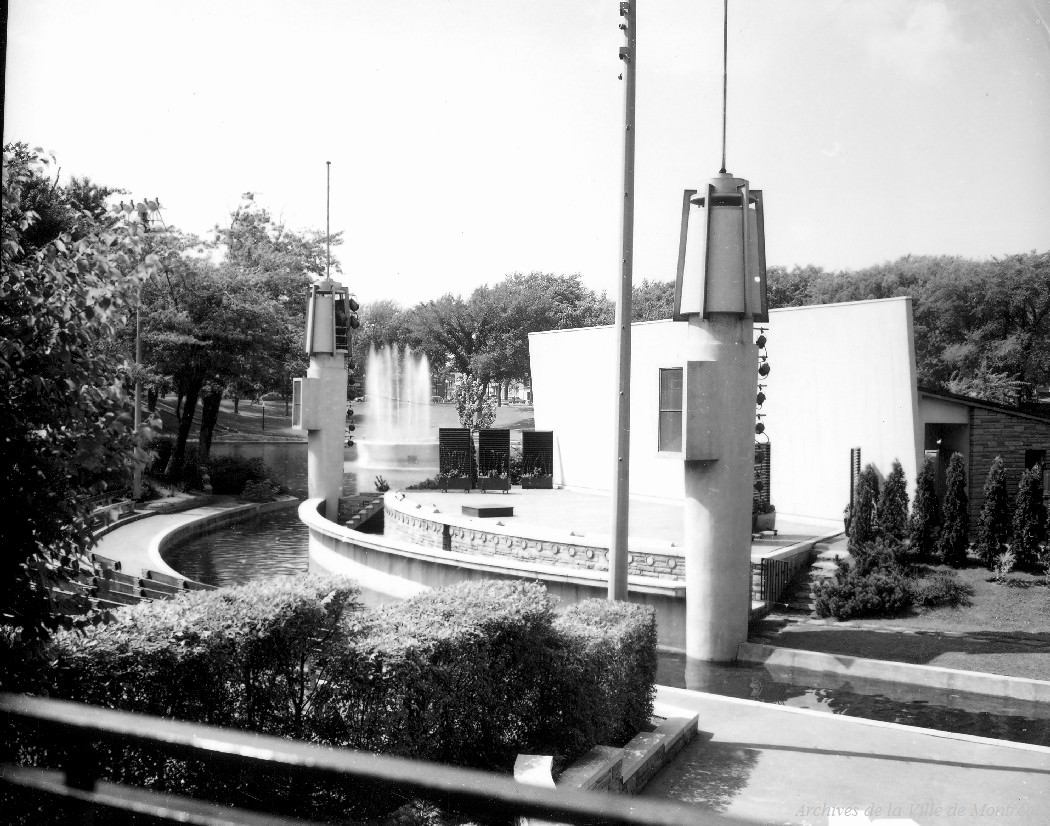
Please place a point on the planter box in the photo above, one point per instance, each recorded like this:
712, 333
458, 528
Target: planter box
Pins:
456, 483
763, 522
537, 482
489, 483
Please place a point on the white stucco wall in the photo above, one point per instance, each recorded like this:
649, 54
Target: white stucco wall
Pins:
843, 376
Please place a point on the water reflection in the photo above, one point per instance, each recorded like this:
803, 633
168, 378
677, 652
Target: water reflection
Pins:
910, 705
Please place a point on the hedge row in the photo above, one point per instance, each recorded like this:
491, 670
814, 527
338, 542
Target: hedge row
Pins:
469, 675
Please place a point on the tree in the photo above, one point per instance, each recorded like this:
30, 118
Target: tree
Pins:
893, 504
954, 539
1029, 522
993, 527
652, 300
474, 405
236, 325
865, 498
926, 519
64, 418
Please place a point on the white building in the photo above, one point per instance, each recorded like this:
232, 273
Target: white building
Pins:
842, 377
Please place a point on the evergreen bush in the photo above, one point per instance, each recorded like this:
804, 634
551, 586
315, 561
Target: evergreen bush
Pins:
954, 539
925, 522
940, 588
993, 529
865, 499
881, 592
892, 512
1029, 522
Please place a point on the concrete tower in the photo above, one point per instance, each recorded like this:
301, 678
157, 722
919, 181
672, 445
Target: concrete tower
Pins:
319, 400
720, 292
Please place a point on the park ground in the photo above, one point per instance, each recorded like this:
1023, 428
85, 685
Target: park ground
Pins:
1004, 628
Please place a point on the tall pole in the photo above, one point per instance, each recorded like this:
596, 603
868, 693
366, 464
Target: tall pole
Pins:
621, 486
328, 220
136, 472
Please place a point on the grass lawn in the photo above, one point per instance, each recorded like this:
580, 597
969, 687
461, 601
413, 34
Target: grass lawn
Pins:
1004, 630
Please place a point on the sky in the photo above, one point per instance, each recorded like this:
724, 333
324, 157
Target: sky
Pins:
469, 139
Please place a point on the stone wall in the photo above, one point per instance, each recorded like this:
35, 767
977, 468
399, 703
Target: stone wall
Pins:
430, 533
1000, 433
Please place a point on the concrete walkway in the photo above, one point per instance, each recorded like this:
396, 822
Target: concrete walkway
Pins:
771, 764
135, 543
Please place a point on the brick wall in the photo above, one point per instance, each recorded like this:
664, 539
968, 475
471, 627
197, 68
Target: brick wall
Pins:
998, 433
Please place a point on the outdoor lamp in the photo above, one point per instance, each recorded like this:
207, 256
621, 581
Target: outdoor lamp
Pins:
329, 318
722, 252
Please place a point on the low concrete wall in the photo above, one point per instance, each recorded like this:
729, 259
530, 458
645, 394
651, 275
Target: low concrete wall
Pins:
773, 571
950, 679
410, 524
388, 568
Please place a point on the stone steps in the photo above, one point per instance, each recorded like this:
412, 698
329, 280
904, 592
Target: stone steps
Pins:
618, 770
799, 593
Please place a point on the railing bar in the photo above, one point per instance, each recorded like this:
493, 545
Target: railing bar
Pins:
157, 806
471, 789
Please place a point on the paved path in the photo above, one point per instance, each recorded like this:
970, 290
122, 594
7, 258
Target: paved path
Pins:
777, 765
134, 543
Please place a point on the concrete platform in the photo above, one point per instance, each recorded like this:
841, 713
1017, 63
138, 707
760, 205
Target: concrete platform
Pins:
770, 764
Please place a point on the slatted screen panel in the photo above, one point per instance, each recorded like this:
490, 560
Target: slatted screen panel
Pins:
493, 451
537, 451
454, 450
762, 469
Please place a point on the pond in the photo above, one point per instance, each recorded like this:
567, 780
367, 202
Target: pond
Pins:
277, 543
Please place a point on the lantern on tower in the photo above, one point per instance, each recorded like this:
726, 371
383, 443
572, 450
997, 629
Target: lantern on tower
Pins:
722, 252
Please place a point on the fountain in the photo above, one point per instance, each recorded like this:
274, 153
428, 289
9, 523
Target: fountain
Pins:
397, 432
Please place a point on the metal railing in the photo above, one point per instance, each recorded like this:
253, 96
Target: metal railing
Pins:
82, 728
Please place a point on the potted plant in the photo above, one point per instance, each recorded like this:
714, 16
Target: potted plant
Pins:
494, 480
763, 517
454, 479
537, 479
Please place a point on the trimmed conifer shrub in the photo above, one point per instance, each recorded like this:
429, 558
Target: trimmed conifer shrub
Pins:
892, 513
1029, 522
865, 498
925, 523
954, 540
993, 528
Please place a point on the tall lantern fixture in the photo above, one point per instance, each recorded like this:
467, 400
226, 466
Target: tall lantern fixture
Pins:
722, 252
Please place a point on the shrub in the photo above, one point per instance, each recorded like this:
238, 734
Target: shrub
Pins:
1029, 523
604, 678
865, 498
260, 491
940, 588
892, 513
249, 657
993, 528
925, 522
229, 474
471, 674
879, 554
883, 592
954, 539
450, 675
1004, 564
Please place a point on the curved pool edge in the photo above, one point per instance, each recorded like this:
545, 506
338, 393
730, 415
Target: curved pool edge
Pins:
396, 569
199, 525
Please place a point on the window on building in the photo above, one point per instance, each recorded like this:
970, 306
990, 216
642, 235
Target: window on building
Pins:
670, 436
